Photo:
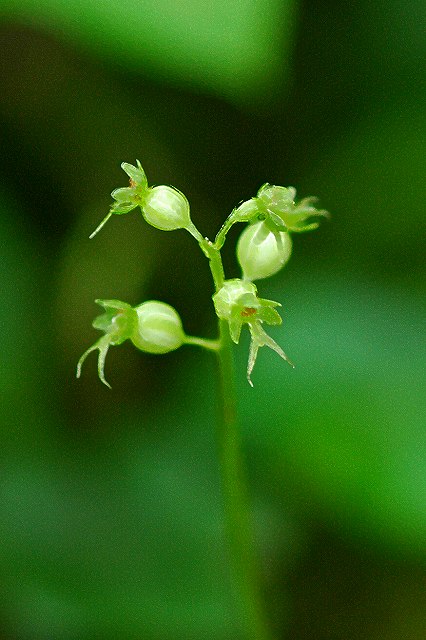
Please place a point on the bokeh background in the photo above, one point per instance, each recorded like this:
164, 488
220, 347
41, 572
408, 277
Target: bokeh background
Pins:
110, 507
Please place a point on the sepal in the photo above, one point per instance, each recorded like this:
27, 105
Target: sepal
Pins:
246, 211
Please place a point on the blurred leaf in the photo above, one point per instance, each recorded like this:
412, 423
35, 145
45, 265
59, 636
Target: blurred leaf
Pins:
120, 543
373, 183
25, 364
345, 430
124, 540
233, 48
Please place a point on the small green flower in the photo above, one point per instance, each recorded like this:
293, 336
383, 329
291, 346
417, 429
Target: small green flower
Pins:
237, 302
128, 198
163, 207
153, 327
280, 209
276, 206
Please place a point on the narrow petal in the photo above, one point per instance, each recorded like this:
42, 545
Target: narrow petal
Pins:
124, 194
102, 345
136, 174
113, 304
259, 338
254, 348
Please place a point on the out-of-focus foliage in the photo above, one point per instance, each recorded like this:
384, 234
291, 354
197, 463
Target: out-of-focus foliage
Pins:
110, 500
360, 355
232, 48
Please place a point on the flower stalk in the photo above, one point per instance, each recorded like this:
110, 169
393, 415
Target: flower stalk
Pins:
155, 327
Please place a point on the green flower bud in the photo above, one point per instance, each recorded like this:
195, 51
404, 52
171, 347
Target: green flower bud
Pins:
262, 252
158, 328
237, 303
166, 208
154, 327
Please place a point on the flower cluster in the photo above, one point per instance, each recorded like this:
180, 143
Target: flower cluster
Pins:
263, 248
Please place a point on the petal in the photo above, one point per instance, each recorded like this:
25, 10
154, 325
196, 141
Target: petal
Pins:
102, 345
124, 194
259, 338
137, 174
235, 324
116, 305
269, 316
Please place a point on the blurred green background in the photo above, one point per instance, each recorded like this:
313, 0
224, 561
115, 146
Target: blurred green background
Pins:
110, 507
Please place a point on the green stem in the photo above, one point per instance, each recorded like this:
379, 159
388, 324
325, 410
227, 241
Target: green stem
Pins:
234, 485
212, 345
237, 512
221, 235
216, 266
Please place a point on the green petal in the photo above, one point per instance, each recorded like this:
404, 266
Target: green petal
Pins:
269, 316
259, 338
235, 324
124, 194
115, 305
102, 345
137, 174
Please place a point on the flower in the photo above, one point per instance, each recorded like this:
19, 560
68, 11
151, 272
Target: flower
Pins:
128, 198
276, 206
153, 327
163, 207
237, 302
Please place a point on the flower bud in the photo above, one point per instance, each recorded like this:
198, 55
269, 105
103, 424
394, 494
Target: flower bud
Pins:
158, 328
166, 208
262, 252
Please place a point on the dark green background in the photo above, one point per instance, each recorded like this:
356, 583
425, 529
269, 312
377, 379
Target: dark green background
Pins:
110, 508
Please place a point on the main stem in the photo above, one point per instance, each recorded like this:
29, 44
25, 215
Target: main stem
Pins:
234, 485
237, 512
